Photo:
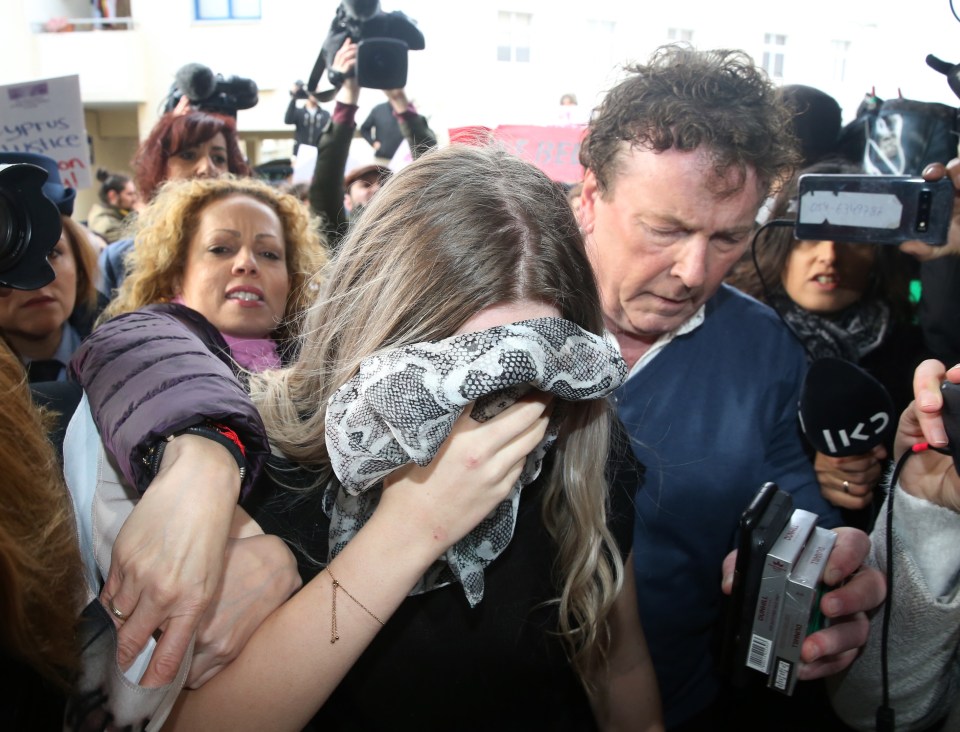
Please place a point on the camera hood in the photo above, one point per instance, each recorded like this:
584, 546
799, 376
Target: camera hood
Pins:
29, 227
382, 63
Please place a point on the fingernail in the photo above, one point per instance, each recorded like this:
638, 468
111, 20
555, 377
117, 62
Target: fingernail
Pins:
832, 606
833, 577
938, 437
928, 169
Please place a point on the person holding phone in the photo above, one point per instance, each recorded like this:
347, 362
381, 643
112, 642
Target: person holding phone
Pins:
842, 300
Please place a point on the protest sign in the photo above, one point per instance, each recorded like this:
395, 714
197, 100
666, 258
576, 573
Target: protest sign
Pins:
553, 149
46, 117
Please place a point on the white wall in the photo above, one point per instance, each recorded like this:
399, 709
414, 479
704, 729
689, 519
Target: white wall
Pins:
456, 80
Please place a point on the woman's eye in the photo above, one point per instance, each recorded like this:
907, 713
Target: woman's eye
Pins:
275, 256
219, 249
188, 155
220, 160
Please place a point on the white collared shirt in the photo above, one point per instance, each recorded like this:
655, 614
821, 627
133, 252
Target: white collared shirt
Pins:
691, 324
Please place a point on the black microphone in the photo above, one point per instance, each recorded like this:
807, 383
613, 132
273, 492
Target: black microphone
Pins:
196, 82
951, 71
843, 409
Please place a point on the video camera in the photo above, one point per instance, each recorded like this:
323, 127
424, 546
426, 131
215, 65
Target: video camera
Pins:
211, 92
383, 40
29, 227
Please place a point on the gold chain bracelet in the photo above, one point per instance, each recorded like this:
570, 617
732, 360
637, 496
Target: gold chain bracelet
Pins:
334, 636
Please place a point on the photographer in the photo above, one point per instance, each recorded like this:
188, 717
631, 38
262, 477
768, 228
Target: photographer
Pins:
310, 119
329, 196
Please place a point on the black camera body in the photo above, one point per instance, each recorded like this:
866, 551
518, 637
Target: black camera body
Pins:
383, 40
211, 92
29, 227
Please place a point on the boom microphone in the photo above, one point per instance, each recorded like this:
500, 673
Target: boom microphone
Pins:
196, 81
843, 409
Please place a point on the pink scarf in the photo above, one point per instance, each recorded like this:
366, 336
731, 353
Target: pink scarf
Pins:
253, 354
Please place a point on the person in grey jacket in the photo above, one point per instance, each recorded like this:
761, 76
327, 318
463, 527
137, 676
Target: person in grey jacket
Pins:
923, 640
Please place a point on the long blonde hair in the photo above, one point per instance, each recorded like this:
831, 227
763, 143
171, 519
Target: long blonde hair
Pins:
459, 230
41, 580
164, 229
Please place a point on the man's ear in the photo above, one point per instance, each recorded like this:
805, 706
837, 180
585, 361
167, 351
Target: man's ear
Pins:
588, 201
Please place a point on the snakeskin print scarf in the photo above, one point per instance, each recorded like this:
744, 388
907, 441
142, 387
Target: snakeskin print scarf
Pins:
402, 405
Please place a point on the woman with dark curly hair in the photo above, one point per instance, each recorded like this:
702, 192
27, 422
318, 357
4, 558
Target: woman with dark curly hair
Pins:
847, 301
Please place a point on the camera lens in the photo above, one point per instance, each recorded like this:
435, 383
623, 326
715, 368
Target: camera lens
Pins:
9, 237
29, 227
923, 211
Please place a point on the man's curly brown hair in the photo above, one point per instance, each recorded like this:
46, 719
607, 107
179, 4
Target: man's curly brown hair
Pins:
687, 99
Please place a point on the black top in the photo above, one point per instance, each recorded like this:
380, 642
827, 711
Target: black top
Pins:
438, 664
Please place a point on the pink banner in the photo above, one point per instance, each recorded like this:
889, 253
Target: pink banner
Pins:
555, 150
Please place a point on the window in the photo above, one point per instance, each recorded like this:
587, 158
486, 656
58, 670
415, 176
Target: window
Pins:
841, 52
774, 48
683, 35
227, 9
513, 37
600, 32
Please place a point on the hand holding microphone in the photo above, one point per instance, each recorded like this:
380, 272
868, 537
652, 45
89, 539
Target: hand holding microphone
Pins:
848, 482
847, 416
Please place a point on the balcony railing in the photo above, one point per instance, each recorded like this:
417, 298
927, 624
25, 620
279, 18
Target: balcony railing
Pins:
69, 25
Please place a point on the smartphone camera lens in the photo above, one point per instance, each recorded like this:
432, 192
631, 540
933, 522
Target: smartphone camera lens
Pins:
923, 211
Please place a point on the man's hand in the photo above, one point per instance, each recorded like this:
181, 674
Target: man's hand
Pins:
344, 62
398, 100
858, 590
925, 252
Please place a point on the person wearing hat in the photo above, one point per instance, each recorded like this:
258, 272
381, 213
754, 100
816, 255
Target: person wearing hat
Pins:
360, 185
45, 326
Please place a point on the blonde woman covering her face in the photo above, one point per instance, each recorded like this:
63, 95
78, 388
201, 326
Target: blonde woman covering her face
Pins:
461, 239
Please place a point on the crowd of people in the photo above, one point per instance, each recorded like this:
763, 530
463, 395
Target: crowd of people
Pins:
460, 446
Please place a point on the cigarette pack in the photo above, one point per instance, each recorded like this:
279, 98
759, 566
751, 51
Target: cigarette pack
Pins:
801, 609
779, 562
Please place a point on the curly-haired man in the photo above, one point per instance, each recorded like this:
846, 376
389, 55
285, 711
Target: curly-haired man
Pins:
679, 158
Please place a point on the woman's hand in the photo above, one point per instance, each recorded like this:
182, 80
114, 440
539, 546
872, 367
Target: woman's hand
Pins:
929, 474
473, 471
168, 557
848, 482
925, 252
